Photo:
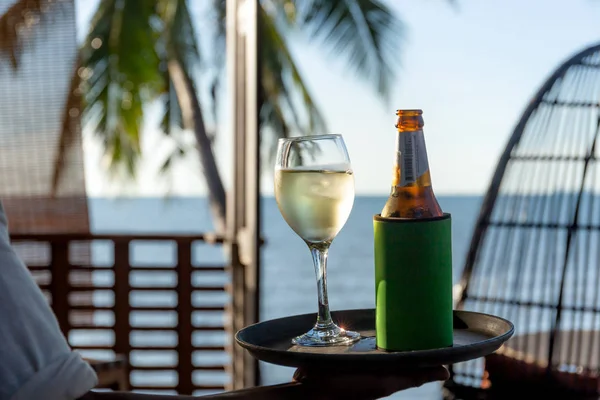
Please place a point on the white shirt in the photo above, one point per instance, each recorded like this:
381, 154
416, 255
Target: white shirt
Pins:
36, 361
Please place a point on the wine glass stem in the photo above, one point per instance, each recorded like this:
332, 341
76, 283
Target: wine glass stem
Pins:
319, 254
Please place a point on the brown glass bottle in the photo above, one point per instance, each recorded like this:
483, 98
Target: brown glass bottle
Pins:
412, 195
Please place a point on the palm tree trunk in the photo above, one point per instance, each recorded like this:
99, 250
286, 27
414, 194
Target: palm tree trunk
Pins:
193, 120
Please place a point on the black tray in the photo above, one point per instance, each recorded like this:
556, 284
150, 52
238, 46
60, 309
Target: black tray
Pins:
475, 335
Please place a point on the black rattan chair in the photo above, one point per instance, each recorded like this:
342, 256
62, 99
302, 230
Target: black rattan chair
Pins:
535, 253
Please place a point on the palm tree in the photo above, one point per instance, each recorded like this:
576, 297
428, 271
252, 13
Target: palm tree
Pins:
139, 52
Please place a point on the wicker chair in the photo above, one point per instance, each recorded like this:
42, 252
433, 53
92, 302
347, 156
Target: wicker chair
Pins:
535, 253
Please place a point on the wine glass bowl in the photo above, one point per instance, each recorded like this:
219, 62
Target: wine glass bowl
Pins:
314, 189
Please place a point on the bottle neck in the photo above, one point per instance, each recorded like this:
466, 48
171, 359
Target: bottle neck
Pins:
411, 167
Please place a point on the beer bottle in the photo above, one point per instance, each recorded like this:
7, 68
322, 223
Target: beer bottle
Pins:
411, 195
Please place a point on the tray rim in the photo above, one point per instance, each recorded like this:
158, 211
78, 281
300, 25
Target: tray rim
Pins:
503, 338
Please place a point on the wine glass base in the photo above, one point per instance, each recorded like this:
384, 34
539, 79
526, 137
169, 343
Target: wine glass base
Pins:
331, 335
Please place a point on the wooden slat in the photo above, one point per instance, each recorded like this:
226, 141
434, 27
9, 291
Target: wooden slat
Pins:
89, 308
209, 387
91, 268
157, 387
122, 306
151, 268
59, 285
152, 347
163, 387
174, 288
209, 368
154, 308
87, 287
211, 288
209, 328
209, 308
209, 268
153, 367
210, 348
170, 368
39, 267
91, 326
68, 237
94, 347
153, 328
184, 310
202, 268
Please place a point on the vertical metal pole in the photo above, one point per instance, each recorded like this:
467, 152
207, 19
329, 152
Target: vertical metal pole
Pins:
252, 201
243, 204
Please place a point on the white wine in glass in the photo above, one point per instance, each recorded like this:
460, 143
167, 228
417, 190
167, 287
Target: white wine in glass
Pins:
314, 188
315, 202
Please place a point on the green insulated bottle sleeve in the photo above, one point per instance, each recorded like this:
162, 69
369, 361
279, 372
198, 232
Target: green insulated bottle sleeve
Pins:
413, 278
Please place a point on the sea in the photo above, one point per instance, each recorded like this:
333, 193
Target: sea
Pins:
287, 285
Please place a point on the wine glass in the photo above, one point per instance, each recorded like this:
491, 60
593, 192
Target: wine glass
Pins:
314, 189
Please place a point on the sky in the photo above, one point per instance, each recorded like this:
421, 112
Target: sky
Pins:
471, 67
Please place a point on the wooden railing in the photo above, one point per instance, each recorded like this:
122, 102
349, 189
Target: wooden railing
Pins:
171, 321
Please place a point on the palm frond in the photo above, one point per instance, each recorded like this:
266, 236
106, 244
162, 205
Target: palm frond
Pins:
120, 68
287, 105
171, 110
177, 41
179, 152
281, 80
179, 37
274, 123
284, 11
366, 32
220, 27
182, 36
16, 25
218, 55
